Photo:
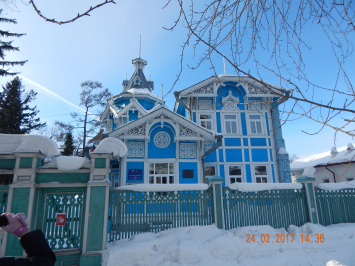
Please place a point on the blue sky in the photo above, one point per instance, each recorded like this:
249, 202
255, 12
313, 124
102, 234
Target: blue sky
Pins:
101, 47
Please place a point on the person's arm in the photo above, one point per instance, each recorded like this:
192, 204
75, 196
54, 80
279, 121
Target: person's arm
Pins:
34, 243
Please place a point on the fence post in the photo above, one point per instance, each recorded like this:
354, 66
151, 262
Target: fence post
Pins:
307, 182
96, 212
216, 182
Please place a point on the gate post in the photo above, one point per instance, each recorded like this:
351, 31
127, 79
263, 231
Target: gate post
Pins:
216, 182
307, 182
22, 195
96, 212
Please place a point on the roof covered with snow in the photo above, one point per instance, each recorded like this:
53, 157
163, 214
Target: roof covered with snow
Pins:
11, 143
334, 156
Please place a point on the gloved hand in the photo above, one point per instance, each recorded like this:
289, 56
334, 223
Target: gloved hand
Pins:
15, 226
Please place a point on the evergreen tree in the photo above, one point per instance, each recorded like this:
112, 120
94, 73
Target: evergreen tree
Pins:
7, 46
68, 145
16, 116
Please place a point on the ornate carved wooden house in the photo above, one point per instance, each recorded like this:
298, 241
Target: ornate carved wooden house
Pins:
223, 125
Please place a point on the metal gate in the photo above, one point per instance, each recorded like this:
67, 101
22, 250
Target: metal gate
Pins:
62, 220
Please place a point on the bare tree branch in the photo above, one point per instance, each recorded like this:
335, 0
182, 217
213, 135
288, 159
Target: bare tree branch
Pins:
73, 19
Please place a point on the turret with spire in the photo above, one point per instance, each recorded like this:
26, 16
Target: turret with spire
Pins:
138, 80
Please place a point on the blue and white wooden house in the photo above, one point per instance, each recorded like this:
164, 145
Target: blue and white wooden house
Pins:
223, 125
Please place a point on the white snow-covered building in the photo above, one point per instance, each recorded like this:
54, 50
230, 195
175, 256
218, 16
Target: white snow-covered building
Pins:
335, 166
226, 125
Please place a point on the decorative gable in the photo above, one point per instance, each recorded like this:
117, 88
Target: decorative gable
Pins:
230, 102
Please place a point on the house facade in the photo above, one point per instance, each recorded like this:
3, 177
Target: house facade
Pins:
335, 166
222, 126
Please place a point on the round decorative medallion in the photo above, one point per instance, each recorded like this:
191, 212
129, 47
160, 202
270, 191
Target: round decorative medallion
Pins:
162, 139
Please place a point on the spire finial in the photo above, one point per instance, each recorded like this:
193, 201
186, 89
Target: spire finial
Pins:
162, 93
224, 64
139, 46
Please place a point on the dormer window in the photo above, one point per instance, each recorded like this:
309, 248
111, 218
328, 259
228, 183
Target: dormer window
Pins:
137, 81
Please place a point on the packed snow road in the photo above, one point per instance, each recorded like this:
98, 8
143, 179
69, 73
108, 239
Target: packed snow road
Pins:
309, 244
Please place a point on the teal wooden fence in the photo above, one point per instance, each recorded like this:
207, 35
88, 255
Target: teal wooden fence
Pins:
277, 208
67, 236
132, 212
335, 206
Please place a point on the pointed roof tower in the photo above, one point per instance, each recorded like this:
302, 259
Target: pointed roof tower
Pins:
138, 80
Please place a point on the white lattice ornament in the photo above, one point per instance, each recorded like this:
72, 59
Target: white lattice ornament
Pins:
188, 150
162, 139
135, 149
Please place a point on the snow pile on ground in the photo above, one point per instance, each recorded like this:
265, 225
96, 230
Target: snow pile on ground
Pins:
27, 143
70, 163
164, 187
209, 246
337, 186
264, 186
112, 145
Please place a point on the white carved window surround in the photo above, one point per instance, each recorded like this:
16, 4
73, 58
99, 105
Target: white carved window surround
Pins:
210, 170
256, 125
235, 173
260, 173
135, 149
230, 123
161, 173
206, 120
188, 150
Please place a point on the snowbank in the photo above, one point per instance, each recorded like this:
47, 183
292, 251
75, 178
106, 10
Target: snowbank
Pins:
210, 246
264, 186
11, 143
70, 163
163, 187
112, 145
337, 186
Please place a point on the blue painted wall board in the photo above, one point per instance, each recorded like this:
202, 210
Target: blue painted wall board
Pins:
232, 142
221, 174
246, 155
257, 141
248, 173
121, 101
234, 155
245, 142
168, 152
221, 155
273, 173
194, 117
218, 119
133, 115
188, 166
138, 166
211, 158
244, 123
271, 159
147, 104
181, 110
267, 124
259, 155
269, 142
